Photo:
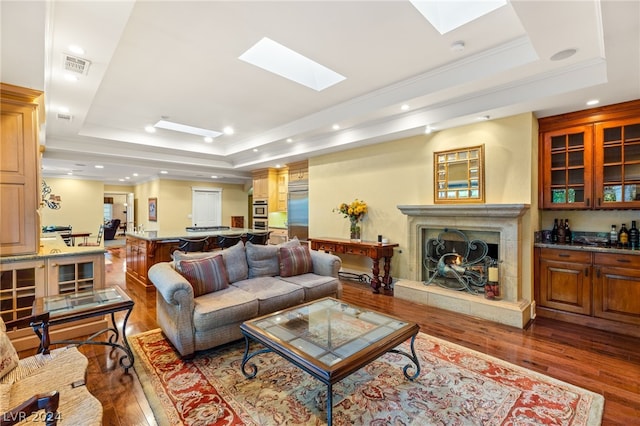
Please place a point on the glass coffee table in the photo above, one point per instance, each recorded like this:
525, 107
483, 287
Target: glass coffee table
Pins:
63, 308
329, 339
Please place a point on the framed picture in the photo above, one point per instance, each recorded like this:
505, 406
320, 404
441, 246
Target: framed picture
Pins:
153, 209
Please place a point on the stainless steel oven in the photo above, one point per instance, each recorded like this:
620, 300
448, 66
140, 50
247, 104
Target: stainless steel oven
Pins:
260, 209
261, 224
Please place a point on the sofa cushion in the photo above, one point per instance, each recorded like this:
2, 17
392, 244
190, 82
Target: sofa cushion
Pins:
316, 286
263, 260
223, 307
295, 261
8, 355
205, 275
178, 256
273, 294
235, 259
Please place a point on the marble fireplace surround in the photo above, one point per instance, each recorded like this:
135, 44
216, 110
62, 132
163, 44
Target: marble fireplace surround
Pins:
504, 219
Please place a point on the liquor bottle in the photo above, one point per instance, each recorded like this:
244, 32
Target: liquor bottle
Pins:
634, 236
623, 236
554, 232
567, 232
561, 232
613, 236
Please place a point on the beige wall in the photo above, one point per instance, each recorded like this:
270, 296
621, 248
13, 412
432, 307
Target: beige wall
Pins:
175, 202
82, 204
401, 172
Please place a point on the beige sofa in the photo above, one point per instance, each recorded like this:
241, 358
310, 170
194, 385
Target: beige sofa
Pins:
257, 285
41, 387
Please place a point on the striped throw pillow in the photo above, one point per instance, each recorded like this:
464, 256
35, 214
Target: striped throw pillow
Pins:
205, 275
295, 261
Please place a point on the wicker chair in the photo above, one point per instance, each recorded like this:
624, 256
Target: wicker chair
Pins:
53, 383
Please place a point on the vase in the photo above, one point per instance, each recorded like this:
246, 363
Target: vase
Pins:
354, 230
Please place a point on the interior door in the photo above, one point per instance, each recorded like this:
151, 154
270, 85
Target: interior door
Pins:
207, 207
130, 212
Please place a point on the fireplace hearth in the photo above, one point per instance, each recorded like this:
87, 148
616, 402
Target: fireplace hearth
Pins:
499, 225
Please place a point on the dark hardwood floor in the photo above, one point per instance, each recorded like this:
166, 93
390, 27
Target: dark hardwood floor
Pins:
602, 362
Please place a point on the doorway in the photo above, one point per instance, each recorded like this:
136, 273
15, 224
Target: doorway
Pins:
207, 207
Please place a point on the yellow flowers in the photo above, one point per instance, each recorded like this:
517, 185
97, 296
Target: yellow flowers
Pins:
354, 211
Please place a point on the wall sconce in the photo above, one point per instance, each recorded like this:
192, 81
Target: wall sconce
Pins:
48, 199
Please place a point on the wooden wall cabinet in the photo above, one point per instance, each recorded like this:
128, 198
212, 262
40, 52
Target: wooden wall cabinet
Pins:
299, 173
265, 187
591, 159
283, 190
19, 178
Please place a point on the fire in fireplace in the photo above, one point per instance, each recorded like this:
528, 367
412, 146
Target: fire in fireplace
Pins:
452, 260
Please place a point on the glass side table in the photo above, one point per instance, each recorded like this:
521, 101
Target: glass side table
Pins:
64, 308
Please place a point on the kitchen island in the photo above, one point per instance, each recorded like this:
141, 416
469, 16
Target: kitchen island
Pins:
145, 249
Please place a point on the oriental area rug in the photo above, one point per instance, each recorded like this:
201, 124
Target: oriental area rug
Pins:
456, 386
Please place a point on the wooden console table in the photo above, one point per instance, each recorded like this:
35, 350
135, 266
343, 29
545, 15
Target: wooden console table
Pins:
375, 251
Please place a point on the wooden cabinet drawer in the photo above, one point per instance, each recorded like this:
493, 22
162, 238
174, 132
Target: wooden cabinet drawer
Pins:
618, 260
356, 250
565, 255
324, 247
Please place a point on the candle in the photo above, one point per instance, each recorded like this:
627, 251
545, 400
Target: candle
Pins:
493, 274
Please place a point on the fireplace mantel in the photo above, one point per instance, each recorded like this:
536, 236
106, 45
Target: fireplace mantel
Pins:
466, 210
504, 219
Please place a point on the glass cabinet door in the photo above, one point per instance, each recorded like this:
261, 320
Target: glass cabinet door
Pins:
567, 171
617, 166
20, 284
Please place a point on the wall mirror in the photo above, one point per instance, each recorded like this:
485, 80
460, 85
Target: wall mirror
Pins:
459, 175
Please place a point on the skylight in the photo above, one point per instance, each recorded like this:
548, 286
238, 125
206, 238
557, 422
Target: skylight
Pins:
177, 127
278, 59
446, 16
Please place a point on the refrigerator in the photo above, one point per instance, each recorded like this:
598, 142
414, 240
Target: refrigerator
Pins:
298, 212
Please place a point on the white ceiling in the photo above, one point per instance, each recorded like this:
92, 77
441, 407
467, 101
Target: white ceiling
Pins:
179, 59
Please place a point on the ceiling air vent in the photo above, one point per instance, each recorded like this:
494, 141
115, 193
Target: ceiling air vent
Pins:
75, 64
65, 117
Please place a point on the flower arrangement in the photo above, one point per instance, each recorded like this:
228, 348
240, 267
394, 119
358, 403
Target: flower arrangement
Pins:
354, 211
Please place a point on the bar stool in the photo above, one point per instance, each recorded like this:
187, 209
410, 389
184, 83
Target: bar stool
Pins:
191, 245
261, 238
226, 241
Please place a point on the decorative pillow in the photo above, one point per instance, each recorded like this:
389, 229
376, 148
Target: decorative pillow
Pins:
235, 259
295, 261
262, 260
8, 355
178, 256
205, 275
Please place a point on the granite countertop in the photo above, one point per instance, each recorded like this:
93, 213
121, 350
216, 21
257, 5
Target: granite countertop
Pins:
590, 248
52, 245
177, 234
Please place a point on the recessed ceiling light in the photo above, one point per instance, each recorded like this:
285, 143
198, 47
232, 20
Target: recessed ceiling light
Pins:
484, 117
70, 173
563, 54
208, 139
593, 102
428, 129
336, 127
278, 59
458, 46
183, 128
404, 107
214, 177
255, 149
135, 174
446, 16
150, 129
289, 140
99, 166
120, 180
76, 49
228, 130
127, 177
278, 166
164, 172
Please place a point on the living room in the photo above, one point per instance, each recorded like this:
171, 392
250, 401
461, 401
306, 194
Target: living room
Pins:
388, 170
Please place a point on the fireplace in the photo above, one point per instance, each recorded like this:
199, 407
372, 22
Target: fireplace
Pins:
498, 225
